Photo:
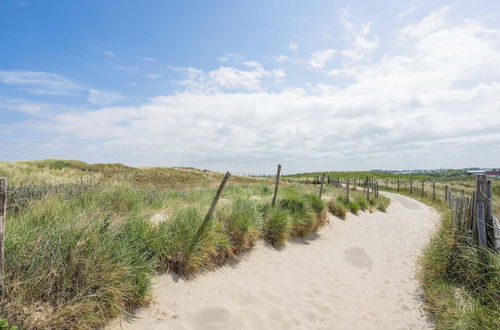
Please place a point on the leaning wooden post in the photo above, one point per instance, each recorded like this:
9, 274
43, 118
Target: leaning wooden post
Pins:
276, 185
208, 217
321, 187
433, 191
347, 190
3, 214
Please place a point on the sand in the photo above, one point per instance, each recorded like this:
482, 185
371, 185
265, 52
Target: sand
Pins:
354, 274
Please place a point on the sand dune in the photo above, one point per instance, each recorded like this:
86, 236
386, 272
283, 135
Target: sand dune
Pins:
355, 274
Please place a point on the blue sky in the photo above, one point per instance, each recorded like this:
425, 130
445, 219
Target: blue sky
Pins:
243, 85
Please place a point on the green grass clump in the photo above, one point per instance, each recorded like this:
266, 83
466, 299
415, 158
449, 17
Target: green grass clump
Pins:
336, 208
188, 253
73, 264
276, 226
383, 203
353, 207
461, 281
241, 224
361, 203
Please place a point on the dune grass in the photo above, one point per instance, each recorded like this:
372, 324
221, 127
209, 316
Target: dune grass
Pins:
80, 254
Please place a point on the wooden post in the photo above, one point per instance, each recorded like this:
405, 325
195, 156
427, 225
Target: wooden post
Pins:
387, 183
446, 193
398, 184
411, 186
3, 215
347, 190
481, 225
276, 185
367, 193
321, 187
488, 216
433, 190
422, 188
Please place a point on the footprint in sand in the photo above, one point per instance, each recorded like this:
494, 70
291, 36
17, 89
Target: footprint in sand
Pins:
357, 257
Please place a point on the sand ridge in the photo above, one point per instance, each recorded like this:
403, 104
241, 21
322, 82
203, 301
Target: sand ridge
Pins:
354, 274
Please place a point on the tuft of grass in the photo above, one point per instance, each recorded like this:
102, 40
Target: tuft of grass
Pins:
461, 281
337, 209
241, 224
383, 203
276, 226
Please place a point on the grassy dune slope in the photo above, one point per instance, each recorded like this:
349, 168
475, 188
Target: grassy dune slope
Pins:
83, 241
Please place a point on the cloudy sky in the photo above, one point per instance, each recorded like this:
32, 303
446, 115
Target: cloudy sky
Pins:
244, 85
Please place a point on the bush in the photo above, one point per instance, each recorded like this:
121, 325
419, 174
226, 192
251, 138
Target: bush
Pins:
336, 208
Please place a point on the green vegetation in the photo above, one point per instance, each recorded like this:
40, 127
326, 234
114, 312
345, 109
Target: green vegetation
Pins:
83, 241
336, 208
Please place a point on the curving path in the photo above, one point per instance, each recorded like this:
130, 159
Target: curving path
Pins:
356, 274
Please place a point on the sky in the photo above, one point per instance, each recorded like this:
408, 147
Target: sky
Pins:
244, 85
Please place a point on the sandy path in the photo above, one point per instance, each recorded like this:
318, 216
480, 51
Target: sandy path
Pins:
356, 274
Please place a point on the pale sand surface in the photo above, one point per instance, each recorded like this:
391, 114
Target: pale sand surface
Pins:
355, 274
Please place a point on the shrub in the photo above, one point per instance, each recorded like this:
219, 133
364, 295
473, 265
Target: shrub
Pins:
336, 208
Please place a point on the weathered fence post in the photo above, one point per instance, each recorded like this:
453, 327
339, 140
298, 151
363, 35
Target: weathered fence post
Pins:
422, 188
398, 184
208, 217
367, 192
321, 187
481, 225
411, 186
488, 216
446, 193
3, 215
276, 185
433, 190
347, 190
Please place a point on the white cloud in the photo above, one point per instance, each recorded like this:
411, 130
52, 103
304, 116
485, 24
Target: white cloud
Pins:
153, 75
108, 52
226, 78
320, 58
407, 12
147, 59
40, 83
431, 102
361, 45
293, 46
101, 97
126, 68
